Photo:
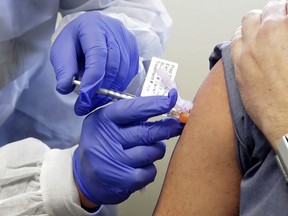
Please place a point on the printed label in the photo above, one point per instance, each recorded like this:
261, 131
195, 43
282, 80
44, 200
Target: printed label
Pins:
153, 85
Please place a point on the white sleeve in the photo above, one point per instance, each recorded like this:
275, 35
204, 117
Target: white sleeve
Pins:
37, 180
147, 19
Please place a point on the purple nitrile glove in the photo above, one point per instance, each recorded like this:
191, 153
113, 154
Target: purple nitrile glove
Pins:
118, 147
100, 51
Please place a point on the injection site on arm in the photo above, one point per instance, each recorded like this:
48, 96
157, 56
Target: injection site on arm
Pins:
160, 80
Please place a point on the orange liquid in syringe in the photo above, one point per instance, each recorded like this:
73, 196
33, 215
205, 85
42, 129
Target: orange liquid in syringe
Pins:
184, 116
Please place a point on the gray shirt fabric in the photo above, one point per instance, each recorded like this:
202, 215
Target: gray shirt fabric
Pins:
263, 188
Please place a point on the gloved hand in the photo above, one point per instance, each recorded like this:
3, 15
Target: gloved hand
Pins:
99, 50
118, 147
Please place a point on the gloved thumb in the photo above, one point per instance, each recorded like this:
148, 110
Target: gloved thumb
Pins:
141, 108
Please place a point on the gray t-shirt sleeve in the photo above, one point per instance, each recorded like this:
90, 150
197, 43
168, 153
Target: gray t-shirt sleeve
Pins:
263, 188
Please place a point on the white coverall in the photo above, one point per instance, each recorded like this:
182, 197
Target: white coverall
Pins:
36, 176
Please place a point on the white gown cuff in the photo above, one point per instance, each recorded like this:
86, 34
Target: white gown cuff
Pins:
58, 188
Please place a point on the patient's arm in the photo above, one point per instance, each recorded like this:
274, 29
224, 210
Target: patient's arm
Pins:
203, 176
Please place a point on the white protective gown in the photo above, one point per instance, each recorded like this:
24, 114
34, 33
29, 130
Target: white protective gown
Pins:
37, 178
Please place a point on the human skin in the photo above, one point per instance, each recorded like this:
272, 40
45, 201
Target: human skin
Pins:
203, 177
87, 204
260, 55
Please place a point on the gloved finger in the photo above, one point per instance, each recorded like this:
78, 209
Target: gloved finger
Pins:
147, 133
96, 101
133, 60
129, 60
95, 51
140, 156
141, 108
113, 63
111, 71
274, 9
251, 23
62, 57
141, 177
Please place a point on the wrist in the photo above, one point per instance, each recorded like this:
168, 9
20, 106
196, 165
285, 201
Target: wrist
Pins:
274, 138
282, 156
86, 204
273, 126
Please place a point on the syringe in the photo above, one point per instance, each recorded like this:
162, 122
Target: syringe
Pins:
110, 93
182, 116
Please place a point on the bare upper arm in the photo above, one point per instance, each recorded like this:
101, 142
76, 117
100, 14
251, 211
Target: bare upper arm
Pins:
203, 176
